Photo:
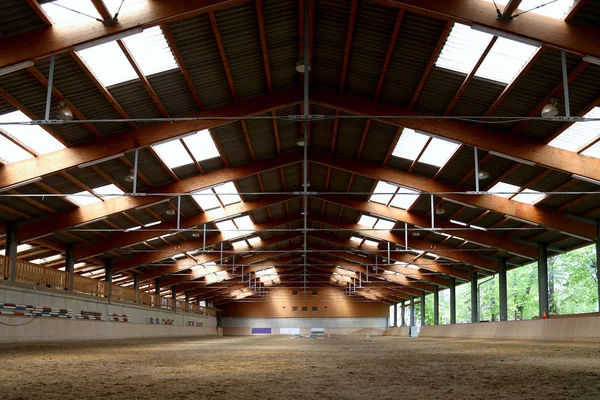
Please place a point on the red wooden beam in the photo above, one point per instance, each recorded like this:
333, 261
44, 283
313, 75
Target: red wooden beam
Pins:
103, 11
363, 139
574, 9
37, 8
215, 27
351, 23
186, 74
430, 64
388, 55
263, 43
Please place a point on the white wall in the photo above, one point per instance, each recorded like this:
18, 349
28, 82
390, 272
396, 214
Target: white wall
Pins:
70, 329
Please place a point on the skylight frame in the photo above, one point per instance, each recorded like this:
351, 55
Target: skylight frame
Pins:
579, 135
383, 193
405, 198
463, 49
202, 146
410, 144
32, 137
201, 196
172, 153
505, 60
438, 152
227, 193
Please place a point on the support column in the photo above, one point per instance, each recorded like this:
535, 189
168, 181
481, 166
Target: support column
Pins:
422, 308
108, 274
543, 279
503, 295
136, 287
11, 249
402, 314
198, 300
157, 286
436, 305
412, 310
452, 300
187, 300
395, 315
474, 300
70, 266
174, 297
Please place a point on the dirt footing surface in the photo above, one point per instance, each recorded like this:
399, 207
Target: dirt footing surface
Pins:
271, 367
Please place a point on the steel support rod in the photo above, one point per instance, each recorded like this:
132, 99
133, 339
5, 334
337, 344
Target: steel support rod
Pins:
422, 308
563, 58
452, 300
432, 213
395, 315
405, 236
436, 305
11, 248
178, 211
50, 84
108, 276
475, 151
70, 265
412, 310
402, 314
305, 134
474, 298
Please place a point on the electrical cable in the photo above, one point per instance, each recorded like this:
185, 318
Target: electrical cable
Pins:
23, 324
534, 8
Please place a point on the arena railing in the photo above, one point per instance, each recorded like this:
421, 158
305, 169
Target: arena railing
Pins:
51, 278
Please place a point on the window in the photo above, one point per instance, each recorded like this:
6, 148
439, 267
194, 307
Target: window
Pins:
405, 198
202, 146
294, 309
383, 193
314, 293
228, 193
108, 62
206, 199
304, 309
505, 190
86, 198
151, 51
557, 9
295, 293
209, 199
172, 153
367, 220
10, 152
59, 14
580, 134
508, 191
438, 152
315, 309
32, 136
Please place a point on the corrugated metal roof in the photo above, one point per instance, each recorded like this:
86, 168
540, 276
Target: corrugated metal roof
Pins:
588, 14
331, 28
272, 180
173, 92
239, 33
280, 18
249, 185
23, 86
21, 205
88, 177
233, 143
196, 42
79, 89
262, 137
416, 41
135, 100
477, 97
56, 203
339, 180
148, 165
289, 131
378, 141
349, 136
5, 107
16, 16
293, 176
318, 176
372, 33
438, 91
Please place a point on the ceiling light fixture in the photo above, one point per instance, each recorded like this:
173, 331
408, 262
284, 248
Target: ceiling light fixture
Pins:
551, 109
300, 142
301, 65
170, 211
483, 174
130, 176
440, 210
64, 113
101, 160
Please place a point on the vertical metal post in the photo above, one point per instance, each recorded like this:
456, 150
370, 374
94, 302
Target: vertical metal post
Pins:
157, 286
432, 213
198, 300
503, 295
204, 239
135, 169
49, 91
405, 236
11, 248
108, 276
474, 298
395, 315
543, 279
412, 310
598, 259
476, 169
136, 287
187, 299
452, 300
174, 297
422, 308
563, 58
305, 134
389, 261
436, 305
178, 211
70, 265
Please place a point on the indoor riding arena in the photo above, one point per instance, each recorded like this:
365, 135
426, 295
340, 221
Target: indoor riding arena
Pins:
299, 199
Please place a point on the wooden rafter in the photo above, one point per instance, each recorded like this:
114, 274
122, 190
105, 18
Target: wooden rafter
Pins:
349, 34
37, 8
388, 55
263, 44
217, 34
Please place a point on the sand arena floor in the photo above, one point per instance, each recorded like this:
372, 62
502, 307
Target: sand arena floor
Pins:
284, 368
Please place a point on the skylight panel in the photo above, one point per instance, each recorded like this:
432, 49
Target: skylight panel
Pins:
383, 193
20, 248
172, 153
592, 151
206, 199
579, 134
505, 60
462, 49
438, 152
10, 152
356, 239
59, 14
228, 198
502, 189
243, 222
367, 221
108, 62
405, 198
32, 136
557, 9
410, 144
151, 51
384, 224
240, 245
529, 197
371, 243
83, 198
227, 227
254, 240
108, 191
202, 145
